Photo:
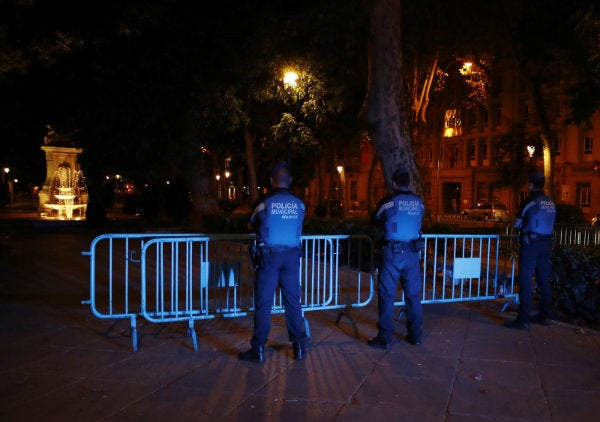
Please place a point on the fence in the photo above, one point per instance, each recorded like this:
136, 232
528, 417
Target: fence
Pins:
115, 276
466, 267
577, 236
574, 236
190, 277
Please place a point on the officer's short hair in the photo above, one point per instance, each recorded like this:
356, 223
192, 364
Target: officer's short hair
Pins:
281, 174
538, 180
401, 177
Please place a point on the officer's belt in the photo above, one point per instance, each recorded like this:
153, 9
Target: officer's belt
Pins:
398, 242
278, 248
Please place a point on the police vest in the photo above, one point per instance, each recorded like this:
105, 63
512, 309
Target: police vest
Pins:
540, 217
282, 220
403, 217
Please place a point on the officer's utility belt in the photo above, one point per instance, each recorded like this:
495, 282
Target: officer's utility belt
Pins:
527, 238
398, 242
272, 249
401, 246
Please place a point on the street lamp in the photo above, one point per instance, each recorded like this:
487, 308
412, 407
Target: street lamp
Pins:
218, 177
530, 151
230, 186
340, 169
290, 79
5, 171
341, 191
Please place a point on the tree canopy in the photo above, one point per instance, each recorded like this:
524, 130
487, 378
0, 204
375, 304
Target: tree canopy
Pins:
165, 89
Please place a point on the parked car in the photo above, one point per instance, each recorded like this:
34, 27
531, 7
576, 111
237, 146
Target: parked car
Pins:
486, 211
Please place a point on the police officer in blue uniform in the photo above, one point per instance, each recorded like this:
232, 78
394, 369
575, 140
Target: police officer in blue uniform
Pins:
535, 221
400, 215
277, 219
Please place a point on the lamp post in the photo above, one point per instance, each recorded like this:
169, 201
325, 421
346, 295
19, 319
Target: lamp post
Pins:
229, 184
341, 196
8, 182
340, 169
219, 194
530, 151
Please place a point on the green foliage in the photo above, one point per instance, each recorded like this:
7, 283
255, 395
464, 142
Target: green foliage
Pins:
349, 225
577, 282
569, 214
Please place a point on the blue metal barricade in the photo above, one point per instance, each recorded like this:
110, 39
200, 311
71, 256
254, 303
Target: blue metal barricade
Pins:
115, 276
175, 281
465, 267
187, 277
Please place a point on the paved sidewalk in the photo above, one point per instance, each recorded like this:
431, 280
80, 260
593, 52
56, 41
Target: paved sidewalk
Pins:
59, 363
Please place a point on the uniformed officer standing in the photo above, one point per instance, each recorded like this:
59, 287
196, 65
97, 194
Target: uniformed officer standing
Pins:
401, 215
277, 219
535, 220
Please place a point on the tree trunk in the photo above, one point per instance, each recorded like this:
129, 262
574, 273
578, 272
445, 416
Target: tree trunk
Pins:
370, 200
252, 179
546, 135
385, 109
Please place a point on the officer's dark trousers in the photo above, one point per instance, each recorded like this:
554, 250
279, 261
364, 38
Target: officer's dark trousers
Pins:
535, 257
281, 267
405, 266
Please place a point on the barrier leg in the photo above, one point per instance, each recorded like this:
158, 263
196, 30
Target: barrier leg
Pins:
306, 328
191, 332
134, 337
509, 302
346, 312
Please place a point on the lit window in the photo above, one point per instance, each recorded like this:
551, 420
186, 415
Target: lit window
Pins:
584, 193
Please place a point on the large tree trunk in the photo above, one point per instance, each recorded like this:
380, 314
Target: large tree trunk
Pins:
252, 179
385, 108
545, 135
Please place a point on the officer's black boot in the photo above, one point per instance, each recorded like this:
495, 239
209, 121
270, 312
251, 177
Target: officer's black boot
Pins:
255, 354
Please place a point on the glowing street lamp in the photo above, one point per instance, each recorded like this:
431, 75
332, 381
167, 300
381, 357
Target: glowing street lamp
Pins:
466, 68
340, 169
290, 78
218, 177
5, 172
530, 151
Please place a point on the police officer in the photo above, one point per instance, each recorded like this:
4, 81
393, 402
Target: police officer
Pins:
277, 219
400, 216
535, 221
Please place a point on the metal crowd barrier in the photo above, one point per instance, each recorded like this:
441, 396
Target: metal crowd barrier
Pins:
190, 277
572, 236
577, 236
465, 267
115, 276
185, 277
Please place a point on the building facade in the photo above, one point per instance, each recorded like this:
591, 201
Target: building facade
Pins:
463, 153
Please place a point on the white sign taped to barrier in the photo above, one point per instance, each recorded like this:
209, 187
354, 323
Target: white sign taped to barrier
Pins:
467, 268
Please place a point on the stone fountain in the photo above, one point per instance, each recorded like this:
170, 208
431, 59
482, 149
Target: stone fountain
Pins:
64, 195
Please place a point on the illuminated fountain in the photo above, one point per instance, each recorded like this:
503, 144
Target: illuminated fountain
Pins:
68, 195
